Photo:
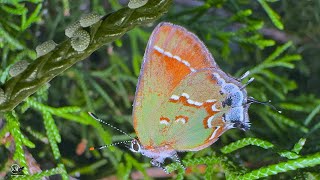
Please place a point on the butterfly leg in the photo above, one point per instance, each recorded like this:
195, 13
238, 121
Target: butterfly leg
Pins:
158, 164
246, 74
176, 158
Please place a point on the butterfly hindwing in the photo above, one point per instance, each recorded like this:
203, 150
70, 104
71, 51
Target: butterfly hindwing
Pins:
192, 118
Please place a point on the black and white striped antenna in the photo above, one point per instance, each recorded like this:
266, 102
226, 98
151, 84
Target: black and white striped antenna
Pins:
113, 144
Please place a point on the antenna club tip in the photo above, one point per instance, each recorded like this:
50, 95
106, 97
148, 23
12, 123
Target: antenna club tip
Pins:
91, 148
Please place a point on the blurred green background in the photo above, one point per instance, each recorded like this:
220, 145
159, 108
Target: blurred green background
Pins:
278, 41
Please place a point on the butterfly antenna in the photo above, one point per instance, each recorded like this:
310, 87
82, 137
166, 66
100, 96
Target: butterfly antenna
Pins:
252, 100
105, 146
103, 122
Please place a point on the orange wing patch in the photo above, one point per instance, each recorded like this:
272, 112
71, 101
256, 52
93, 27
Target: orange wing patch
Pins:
179, 42
172, 66
164, 120
211, 106
182, 119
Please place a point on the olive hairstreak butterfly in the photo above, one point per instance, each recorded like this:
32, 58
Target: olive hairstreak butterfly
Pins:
183, 101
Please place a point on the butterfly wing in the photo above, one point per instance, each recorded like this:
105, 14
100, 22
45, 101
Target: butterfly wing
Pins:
204, 105
165, 65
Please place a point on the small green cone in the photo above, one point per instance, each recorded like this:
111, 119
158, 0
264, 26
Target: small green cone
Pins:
134, 4
45, 48
80, 40
18, 68
89, 19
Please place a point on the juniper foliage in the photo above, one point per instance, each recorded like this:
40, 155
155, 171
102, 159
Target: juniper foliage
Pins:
44, 126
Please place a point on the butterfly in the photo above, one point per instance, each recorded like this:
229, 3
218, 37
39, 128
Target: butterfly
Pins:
183, 101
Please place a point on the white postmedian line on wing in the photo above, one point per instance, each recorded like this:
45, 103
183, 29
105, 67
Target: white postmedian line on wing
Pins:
214, 133
169, 54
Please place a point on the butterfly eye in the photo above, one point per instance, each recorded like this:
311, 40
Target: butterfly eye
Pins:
135, 146
233, 100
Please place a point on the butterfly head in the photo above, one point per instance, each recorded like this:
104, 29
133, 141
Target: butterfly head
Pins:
135, 146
